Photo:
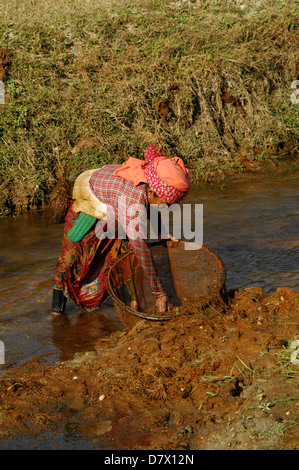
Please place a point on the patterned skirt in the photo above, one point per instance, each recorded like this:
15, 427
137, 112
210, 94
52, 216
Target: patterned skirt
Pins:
82, 266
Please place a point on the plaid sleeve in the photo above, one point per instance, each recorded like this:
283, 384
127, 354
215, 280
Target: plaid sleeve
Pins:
145, 258
121, 194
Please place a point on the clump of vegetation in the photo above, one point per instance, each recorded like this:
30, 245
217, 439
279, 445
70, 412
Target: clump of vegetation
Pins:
89, 83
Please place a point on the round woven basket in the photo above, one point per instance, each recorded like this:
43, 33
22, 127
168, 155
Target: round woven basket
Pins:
125, 282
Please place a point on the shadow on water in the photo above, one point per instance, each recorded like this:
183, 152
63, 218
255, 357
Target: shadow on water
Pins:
252, 226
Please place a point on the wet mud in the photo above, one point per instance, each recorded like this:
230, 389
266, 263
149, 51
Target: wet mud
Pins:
195, 382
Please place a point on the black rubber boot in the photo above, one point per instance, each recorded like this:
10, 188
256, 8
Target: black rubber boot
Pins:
58, 301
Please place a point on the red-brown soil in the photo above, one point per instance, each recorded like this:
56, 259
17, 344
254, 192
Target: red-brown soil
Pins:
191, 383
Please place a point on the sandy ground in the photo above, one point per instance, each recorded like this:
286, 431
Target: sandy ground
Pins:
196, 382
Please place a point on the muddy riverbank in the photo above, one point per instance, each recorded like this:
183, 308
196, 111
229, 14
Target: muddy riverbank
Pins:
226, 382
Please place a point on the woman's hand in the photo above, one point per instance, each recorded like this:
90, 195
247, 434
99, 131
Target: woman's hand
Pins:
174, 240
162, 303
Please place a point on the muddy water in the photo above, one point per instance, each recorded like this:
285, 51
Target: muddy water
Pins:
252, 226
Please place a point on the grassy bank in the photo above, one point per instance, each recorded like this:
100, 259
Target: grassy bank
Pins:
88, 83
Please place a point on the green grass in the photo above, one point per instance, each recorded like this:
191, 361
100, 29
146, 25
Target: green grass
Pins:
100, 69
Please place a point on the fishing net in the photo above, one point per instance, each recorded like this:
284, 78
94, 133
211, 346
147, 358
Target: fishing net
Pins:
194, 281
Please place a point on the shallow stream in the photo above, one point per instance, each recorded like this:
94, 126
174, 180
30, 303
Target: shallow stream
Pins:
252, 226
